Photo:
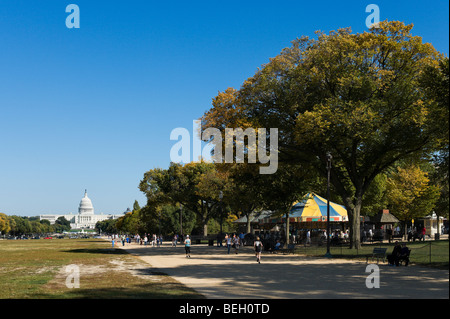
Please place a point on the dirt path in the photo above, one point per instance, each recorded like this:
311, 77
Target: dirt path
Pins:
215, 274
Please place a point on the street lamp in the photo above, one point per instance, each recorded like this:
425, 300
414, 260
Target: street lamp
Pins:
221, 212
329, 158
181, 219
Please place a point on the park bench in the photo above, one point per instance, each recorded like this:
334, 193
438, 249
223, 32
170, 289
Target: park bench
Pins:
290, 249
377, 253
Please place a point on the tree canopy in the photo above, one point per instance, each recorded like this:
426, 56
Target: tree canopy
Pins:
364, 98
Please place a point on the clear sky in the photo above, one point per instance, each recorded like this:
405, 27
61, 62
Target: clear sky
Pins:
94, 107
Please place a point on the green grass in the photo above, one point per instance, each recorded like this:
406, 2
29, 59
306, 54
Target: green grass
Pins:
429, 253
35, 269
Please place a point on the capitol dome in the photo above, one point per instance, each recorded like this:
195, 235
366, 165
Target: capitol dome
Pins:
86, 205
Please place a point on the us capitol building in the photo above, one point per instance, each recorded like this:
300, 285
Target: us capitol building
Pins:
85, 219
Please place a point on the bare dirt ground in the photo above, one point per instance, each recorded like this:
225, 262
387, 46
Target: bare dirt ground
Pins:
217, 275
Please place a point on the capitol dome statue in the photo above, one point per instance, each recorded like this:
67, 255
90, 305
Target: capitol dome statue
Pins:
85, 207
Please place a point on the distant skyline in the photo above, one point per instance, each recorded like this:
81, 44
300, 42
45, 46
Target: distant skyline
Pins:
92, 108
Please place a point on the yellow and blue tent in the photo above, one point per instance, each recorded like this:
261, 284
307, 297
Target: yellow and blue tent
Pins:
314, 208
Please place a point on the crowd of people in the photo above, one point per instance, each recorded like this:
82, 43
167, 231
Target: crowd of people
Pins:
413, 233
263, 242
146, 239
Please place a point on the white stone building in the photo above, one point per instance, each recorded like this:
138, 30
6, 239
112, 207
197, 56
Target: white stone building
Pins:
85, 219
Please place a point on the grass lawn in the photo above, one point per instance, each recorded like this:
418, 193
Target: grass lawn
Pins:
36, 269
429, 253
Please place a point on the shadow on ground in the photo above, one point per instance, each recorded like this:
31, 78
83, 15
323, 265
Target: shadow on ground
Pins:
214, 273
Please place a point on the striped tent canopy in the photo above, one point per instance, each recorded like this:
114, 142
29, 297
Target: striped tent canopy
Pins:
313, 208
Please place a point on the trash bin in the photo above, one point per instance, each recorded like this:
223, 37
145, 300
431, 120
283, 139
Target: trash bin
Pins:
210, 242
437, 236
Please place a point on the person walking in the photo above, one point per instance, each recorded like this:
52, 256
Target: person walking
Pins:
242, 238
187, 246
228, 241
258, 249
174, 240
236, 242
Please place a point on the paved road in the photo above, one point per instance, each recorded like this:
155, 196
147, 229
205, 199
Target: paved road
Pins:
217, 275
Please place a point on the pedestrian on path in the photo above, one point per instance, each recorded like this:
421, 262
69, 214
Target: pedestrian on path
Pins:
308, 237
258, 249
187, 246
174, 240
236, 243
228, 241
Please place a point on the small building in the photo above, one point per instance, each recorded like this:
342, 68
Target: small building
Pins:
382, 224
430, 223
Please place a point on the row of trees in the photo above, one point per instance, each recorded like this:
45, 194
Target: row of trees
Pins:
376, 101
167, 219
224, 192
18, 225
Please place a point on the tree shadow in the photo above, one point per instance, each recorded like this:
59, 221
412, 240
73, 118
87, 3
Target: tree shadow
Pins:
107, 251
285, 276
143, 291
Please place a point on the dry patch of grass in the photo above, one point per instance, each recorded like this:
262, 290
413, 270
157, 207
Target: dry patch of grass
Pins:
37, 269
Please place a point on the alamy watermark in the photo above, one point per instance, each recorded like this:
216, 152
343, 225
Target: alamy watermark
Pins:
73, 277
373, 19
73, 19
256, 150
373, 279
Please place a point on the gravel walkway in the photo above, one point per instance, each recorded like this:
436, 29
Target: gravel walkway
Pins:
217, 275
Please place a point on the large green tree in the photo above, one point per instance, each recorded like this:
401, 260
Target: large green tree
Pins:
194, 185
358, 96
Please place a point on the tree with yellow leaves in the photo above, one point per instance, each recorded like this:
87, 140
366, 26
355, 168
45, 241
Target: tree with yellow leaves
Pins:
4, 224
409, 193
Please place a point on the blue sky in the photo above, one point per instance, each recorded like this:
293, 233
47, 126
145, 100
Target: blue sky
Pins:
94, 107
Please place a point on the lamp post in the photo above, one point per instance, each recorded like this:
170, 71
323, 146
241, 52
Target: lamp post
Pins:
181, 219
221, 212
329, 158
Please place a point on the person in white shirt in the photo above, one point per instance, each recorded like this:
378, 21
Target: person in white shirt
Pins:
228, 241
258, 249
236, 242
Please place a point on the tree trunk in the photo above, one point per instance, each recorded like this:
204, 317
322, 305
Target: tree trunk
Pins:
204, 219
355, 226
248, 226
205, 228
